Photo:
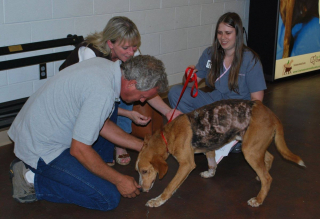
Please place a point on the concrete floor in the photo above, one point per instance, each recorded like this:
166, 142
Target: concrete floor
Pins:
294, 193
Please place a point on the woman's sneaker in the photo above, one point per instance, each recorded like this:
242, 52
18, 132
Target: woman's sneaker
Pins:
22, 191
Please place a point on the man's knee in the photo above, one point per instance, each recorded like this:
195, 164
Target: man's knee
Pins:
110, 201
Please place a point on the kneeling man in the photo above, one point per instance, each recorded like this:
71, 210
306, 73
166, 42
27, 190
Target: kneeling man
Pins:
57, 133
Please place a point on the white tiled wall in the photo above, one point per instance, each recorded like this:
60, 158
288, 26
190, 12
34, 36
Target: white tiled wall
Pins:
175, 31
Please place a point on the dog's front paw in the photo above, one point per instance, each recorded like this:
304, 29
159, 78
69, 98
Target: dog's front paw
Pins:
155, 202
253, 202
208, 174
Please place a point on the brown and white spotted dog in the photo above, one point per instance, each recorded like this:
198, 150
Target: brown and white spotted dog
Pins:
206, 130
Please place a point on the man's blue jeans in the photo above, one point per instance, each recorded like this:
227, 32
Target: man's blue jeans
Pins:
66, 180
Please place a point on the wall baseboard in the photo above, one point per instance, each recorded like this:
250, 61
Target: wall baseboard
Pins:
4, 139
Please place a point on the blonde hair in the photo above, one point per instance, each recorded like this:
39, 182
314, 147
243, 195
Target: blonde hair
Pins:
118, 29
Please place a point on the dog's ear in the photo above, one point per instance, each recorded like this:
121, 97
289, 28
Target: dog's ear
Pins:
160, 165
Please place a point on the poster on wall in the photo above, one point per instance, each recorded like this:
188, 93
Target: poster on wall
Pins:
298, 42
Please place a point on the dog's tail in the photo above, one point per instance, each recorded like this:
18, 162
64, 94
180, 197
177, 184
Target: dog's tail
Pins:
282, 146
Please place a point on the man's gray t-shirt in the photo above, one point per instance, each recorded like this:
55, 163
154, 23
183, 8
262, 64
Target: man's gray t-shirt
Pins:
73, 104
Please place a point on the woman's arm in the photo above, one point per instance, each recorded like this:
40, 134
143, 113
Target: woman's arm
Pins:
257, 95
136, 117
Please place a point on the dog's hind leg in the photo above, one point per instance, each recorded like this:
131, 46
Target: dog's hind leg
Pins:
258, 165
268, 159
212, 164
254, 147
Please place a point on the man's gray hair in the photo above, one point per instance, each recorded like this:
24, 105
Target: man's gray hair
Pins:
148, 71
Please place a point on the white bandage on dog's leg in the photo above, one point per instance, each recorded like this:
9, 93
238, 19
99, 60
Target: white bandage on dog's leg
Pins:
224, 151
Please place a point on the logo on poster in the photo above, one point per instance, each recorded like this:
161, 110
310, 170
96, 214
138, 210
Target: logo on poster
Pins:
314, 59
287, 67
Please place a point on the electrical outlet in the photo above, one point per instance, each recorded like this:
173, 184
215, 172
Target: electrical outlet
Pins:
43, 71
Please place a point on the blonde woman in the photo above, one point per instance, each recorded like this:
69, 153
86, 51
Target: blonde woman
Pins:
120, 40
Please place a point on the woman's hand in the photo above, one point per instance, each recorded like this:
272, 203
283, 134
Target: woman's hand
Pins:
139, 119
193, 67
194, 71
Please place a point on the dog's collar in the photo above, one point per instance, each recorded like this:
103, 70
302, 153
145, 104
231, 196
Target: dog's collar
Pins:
165, 141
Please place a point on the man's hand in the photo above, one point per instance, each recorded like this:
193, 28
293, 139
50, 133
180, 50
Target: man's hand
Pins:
92, 161
139, 119
128, 187
176, 113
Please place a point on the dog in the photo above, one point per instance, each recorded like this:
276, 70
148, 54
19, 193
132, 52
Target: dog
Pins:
206, 130
293, 12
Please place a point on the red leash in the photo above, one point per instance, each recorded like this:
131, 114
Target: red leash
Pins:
190, 76
165, 141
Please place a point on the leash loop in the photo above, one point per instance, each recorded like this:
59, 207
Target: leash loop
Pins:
190, 76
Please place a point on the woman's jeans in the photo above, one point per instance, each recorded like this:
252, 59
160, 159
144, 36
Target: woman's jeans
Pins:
189, 103
123, 122
66, 180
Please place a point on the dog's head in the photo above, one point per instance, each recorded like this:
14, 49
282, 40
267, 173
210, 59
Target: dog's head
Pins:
150, 163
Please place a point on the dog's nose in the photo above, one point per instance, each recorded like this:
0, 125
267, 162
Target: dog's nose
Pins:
140, 189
